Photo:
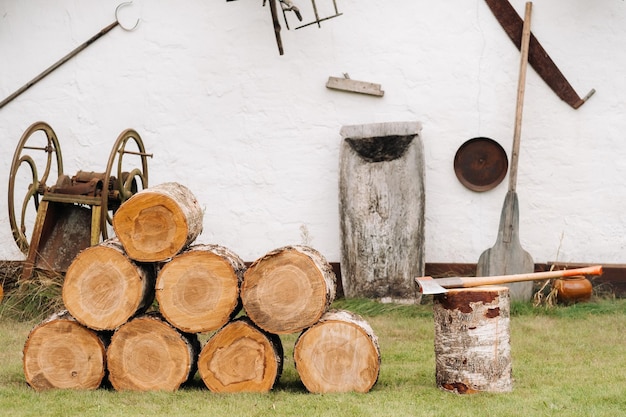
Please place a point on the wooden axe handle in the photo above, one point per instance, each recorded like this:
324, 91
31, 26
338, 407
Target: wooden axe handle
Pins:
466, 282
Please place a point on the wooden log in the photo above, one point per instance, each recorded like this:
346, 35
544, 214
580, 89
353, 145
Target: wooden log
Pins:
62, 353
472, 340
381, 208
103, 287
149, 354
288, 289
241, 357
198, 290
338, 354
158, 222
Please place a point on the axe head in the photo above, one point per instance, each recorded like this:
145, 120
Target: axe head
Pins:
427, 285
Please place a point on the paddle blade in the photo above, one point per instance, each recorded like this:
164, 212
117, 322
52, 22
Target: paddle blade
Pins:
507, 257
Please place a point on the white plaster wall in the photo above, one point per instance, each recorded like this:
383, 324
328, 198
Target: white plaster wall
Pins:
255, 135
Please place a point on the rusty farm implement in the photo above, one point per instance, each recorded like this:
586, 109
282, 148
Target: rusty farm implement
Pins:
71, 213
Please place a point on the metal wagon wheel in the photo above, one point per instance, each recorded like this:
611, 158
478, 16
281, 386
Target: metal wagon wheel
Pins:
37, 185
123, 185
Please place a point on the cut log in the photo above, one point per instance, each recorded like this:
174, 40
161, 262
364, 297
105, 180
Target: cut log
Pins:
149, 354
288, 289
241, 357
103, 287
158, 222
381, 208
338, 354
62, 353
472, 340
198, 290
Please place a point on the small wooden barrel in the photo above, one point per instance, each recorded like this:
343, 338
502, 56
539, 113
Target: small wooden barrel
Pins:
472, 340
62, 353
241, 357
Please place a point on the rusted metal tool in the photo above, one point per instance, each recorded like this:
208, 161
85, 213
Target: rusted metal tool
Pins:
538, 58
319, 19
74, 213
276, 24
480, 164
69, 56
428, 285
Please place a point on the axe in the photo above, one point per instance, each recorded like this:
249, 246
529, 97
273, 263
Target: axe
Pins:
428, 285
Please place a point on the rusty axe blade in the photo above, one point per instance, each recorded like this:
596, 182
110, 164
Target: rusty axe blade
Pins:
428, 285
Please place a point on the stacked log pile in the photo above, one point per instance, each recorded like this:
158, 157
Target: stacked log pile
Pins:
137, 303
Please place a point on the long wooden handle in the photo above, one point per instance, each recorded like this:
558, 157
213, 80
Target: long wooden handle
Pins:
521, 88
466, 282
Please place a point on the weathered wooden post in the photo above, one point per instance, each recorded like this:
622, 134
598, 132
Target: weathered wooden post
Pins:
381, 205
472, 340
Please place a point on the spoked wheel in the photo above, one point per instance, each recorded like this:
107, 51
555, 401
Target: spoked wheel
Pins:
121, 184
29, 178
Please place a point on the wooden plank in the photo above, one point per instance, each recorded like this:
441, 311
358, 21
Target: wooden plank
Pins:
362, 87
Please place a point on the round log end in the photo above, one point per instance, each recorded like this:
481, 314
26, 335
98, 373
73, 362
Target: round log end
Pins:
103, 288
198, 291
241, 358
287, 290
338, 354
157, 223
147, 354
63, 354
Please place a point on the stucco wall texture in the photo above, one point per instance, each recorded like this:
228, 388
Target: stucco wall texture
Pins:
255, 135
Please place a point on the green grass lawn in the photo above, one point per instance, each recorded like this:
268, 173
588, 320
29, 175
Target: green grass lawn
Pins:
567, 361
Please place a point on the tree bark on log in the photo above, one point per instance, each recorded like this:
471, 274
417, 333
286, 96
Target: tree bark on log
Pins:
241, 357
62, 353
472, 340
198, 290
338, 354
381, 207
157, 223
103, 287
149, 354
288, 289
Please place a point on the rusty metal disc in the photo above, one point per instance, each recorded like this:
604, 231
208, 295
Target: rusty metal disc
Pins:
480, 164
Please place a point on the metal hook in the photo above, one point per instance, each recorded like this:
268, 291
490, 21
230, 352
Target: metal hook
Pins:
118, 20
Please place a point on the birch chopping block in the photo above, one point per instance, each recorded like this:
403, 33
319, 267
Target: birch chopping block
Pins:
472, 340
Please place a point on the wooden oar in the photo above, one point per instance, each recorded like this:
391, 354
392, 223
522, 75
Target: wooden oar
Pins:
507, 255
